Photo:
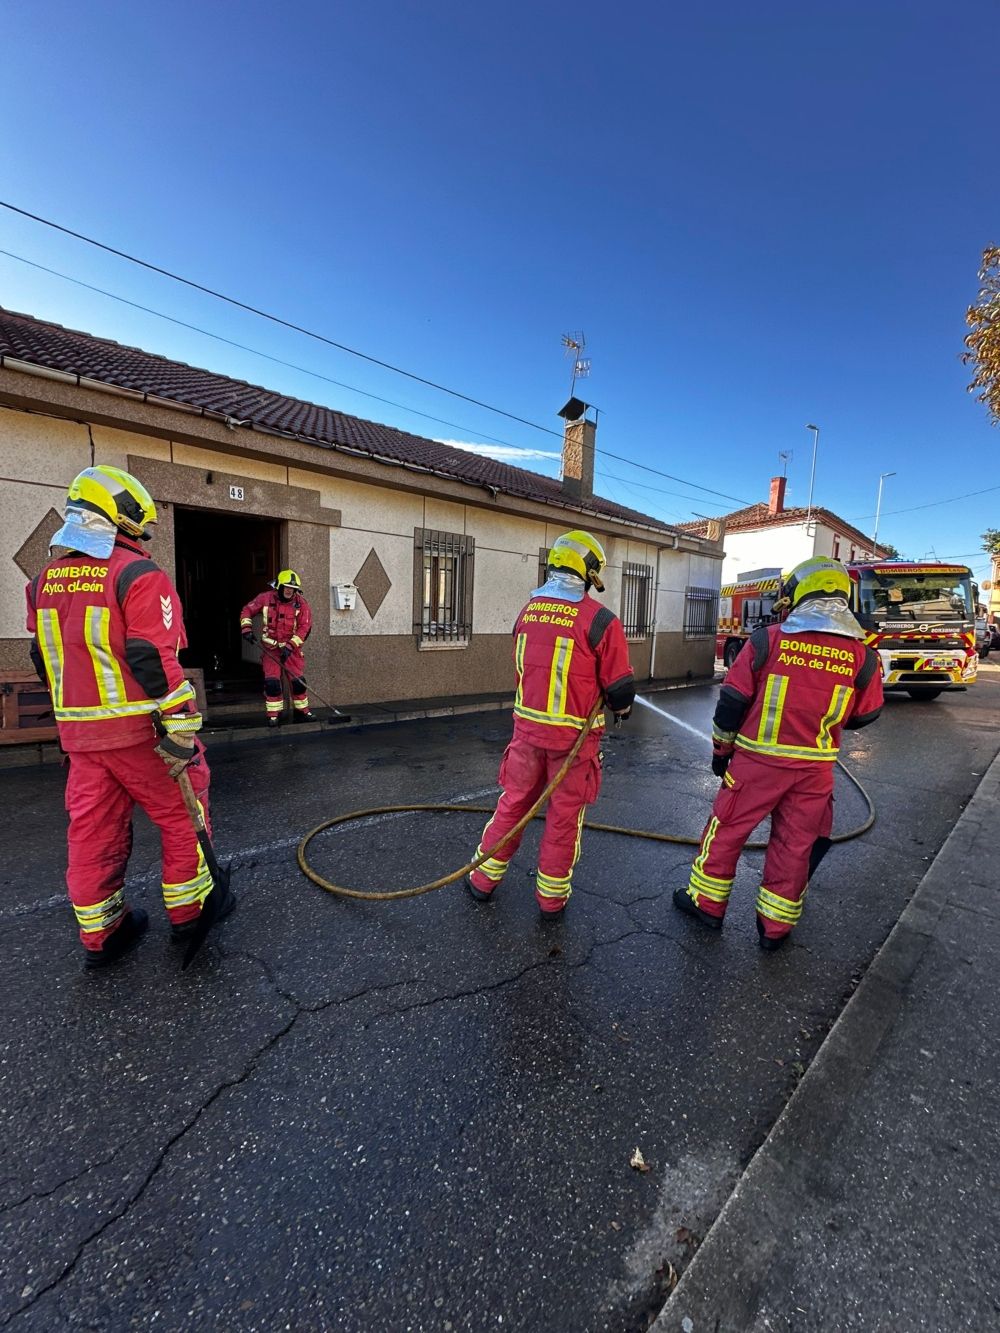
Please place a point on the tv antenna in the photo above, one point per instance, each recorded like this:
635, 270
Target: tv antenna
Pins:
785, 457
575, 345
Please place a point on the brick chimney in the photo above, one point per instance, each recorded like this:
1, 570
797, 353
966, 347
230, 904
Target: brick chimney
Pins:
777, 501
578, 459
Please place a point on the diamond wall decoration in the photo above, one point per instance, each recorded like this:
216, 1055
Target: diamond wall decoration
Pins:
372, 583
34, 549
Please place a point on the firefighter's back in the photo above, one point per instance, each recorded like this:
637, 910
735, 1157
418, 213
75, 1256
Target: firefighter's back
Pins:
558, 651
97, 701
804, 686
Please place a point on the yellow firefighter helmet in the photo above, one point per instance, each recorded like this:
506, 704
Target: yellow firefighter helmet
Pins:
288, 579
818, 577
117, 495
581, 554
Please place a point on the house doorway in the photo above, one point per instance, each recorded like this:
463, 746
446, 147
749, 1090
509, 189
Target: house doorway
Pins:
223, 561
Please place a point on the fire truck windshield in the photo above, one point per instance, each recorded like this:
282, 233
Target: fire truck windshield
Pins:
931, 598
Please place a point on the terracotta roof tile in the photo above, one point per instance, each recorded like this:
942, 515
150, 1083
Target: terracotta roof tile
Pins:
41, 343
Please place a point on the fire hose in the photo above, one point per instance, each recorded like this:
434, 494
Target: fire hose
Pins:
389, 895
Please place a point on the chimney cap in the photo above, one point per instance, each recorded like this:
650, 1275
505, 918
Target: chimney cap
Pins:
573, 410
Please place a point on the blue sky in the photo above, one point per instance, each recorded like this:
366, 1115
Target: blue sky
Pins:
761, 215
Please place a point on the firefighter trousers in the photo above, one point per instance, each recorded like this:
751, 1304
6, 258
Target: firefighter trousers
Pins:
102, 790
525, 772
294, 667
800, 803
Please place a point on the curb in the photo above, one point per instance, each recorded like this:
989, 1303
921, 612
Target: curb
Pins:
48, 752
721, 1286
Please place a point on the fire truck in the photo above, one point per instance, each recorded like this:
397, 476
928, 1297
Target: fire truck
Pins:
919, 617
743, 607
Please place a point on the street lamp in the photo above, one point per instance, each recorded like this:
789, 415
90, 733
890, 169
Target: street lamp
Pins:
812, 474
878, 510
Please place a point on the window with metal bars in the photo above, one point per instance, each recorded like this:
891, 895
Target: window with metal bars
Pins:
701, 613
442, 586
637, 600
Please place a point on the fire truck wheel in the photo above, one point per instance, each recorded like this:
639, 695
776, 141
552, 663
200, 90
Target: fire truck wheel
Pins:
923, 696
731, 652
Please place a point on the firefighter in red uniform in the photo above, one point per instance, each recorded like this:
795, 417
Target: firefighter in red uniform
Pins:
791, 691
569, 652
107, 628
286, 622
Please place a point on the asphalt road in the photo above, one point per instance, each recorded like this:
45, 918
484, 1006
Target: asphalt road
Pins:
419, 1116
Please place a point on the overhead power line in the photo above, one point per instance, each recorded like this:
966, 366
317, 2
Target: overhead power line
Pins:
318, 337
644, 485
274, 319
657, 473
969, 495
254, 351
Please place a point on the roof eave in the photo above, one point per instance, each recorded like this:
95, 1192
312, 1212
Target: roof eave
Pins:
663, 536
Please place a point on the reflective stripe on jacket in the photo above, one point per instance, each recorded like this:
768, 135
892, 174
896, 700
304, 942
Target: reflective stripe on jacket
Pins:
800, 691
106, 637
567, 655
282, 621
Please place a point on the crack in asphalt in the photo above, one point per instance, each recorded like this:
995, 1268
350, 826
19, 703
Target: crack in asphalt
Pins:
301, 1009
61, 1184
154, 1170
322, 1005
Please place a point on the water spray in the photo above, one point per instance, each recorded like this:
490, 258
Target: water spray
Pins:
672, 718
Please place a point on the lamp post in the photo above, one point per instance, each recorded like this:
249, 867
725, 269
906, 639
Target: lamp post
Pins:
812, 474
878, 510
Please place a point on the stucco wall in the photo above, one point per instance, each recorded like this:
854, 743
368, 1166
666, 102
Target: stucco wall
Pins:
784, 546
768, 548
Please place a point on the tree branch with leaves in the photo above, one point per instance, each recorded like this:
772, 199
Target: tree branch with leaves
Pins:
983, 341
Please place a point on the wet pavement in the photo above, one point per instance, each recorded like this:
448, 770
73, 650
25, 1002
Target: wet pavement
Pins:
419, 1115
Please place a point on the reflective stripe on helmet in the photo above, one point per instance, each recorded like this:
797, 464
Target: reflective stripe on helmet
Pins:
579, 552
819, 576
116, 494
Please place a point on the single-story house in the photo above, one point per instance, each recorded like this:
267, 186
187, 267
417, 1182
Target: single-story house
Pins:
416, 556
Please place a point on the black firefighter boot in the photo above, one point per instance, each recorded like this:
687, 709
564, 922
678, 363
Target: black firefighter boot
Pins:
685, 903
186, 929
121, 941
770, 942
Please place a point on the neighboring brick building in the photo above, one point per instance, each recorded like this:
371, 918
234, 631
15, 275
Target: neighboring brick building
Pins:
443, 546
767, 535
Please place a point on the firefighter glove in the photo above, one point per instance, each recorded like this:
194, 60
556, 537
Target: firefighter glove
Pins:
721, 756
248, 635
623, 716
176, 749
286, 652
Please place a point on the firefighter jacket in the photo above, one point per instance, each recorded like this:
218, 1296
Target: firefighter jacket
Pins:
788, 697
567, 656
106, 638
283, 621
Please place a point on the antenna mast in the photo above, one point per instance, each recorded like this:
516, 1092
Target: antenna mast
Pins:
575, 345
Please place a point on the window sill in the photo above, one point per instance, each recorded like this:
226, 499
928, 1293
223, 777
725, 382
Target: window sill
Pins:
639, 638
442, 646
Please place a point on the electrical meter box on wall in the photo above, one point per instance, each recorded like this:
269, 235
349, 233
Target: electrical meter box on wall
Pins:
345, 596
